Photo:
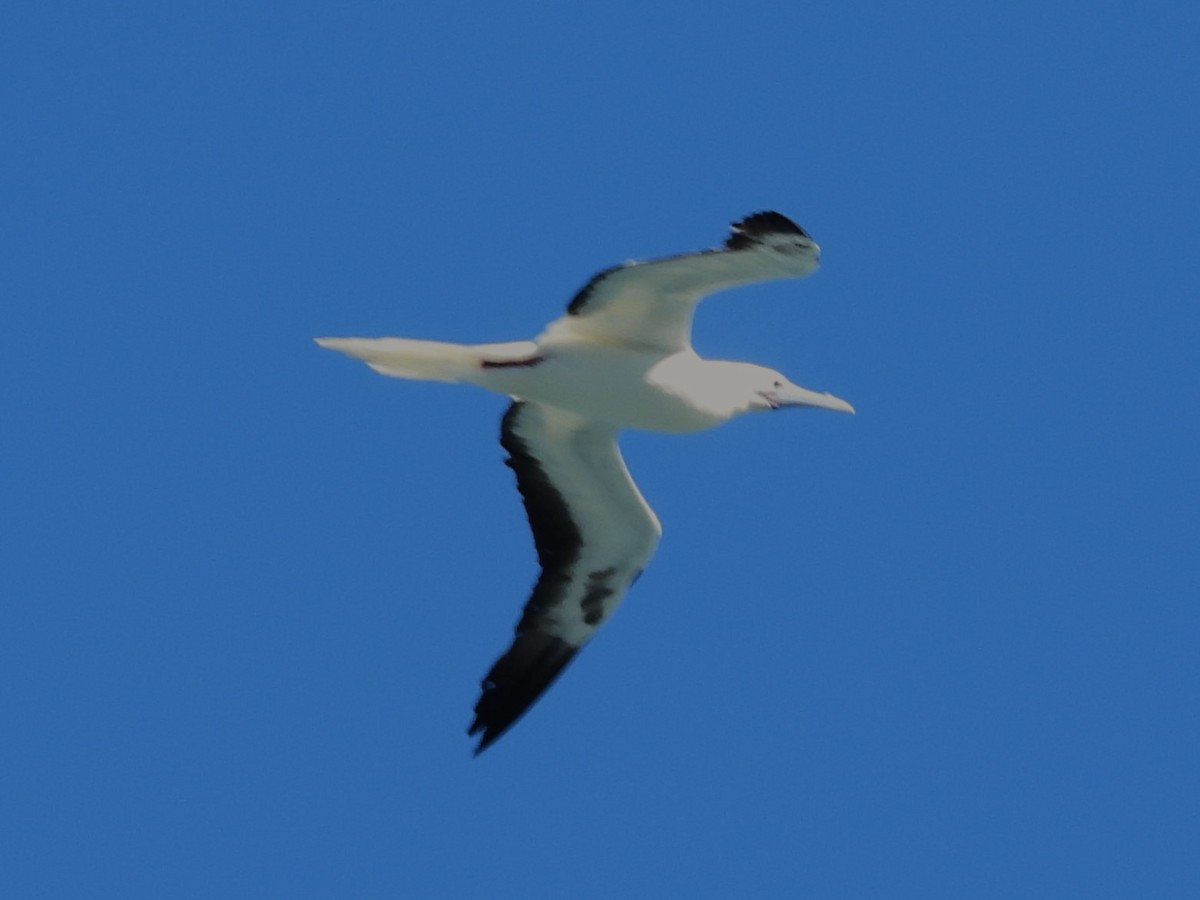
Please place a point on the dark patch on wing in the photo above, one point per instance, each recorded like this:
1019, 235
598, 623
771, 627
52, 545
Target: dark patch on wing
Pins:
512, 363
595, 593
535, 658
518, 678
749, 230
579, 301
555, 534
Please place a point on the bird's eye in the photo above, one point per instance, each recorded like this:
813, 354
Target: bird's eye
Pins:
779, 384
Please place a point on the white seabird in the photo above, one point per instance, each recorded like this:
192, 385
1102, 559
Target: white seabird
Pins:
621, 357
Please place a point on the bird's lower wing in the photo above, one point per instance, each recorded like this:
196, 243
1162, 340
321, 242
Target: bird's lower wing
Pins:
594, 533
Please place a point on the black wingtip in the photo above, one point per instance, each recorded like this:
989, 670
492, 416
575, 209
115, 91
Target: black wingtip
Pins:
515, 682
749, 230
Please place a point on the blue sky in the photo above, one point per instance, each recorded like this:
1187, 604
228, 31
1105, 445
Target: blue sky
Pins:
945, 648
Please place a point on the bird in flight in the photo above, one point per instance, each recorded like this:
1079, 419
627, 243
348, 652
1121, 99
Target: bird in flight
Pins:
620, 358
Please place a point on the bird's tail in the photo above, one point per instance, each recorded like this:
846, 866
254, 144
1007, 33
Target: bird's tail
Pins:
431, 360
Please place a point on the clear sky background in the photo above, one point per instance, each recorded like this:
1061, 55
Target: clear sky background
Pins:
946, 648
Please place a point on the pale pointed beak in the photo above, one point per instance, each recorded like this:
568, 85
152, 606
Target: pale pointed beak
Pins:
795, 397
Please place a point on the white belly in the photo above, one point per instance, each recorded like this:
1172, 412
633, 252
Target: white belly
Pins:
627, 388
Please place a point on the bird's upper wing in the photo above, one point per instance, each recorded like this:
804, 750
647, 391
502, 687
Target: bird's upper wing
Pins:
650, 304
594, 534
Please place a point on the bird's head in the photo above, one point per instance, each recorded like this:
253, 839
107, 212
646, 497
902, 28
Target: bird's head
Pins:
720, 389
766, 389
